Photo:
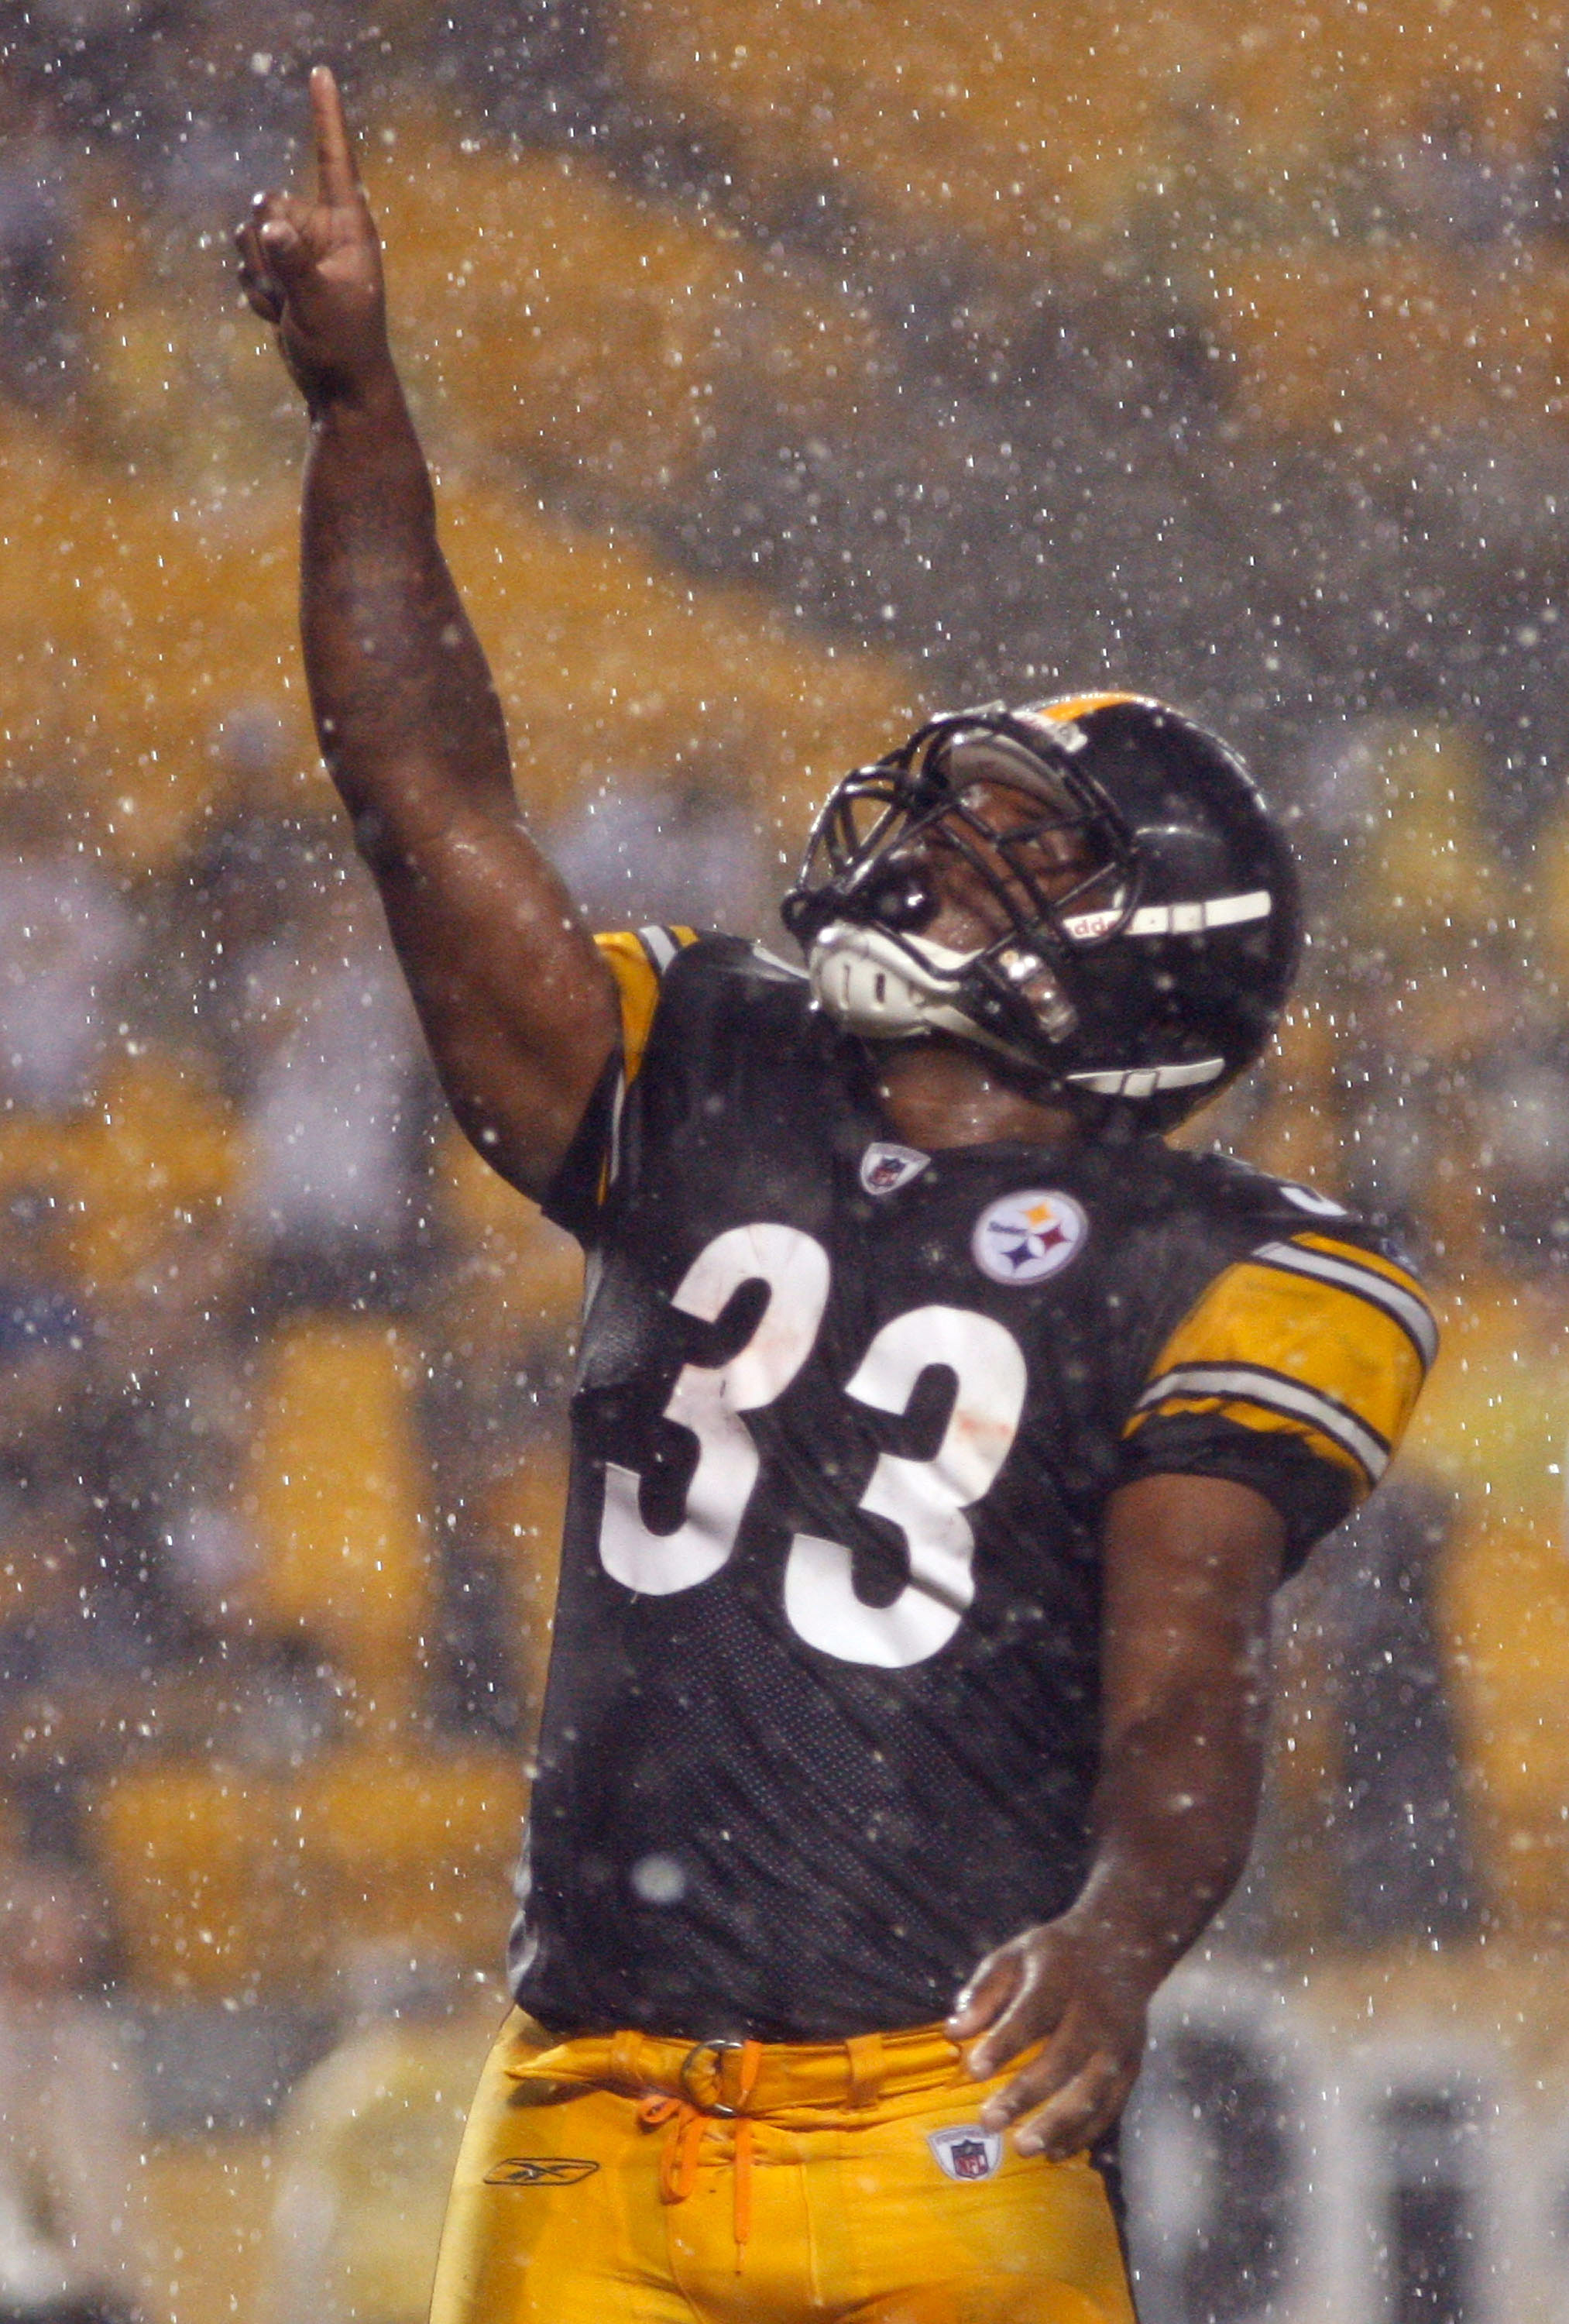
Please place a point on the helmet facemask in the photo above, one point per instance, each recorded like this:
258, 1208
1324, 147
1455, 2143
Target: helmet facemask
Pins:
1027, 837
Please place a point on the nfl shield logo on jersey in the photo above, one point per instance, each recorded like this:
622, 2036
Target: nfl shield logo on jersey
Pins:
885, 1167
966, 2152
1024, 1238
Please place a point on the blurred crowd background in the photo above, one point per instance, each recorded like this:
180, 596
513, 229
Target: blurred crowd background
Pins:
789, 372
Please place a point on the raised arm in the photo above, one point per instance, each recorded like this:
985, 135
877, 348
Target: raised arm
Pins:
519, 1007
1190, 1564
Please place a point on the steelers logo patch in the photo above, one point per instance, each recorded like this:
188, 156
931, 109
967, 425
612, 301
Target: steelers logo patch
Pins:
1024, 1238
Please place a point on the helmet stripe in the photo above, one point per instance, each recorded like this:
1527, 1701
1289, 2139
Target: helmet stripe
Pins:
1143, 1081
1076, 706
1176, 919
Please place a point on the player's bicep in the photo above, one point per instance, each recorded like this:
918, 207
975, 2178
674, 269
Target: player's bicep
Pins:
519, 1005
1189, 1566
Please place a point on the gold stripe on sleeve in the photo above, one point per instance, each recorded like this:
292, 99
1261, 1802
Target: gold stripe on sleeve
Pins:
1332, 1367
638, 985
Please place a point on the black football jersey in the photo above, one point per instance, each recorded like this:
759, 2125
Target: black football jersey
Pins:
821, 1720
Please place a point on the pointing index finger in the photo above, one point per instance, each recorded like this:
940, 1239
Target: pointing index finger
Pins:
337, 178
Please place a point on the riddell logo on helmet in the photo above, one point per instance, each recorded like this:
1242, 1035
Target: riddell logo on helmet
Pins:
1084, 925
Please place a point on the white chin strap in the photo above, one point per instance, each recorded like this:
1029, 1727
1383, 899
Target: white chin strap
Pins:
889, 989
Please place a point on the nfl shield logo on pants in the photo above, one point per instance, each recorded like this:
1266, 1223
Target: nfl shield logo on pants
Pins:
966, 2152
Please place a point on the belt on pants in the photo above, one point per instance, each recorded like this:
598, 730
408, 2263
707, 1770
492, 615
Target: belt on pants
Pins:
696, 2087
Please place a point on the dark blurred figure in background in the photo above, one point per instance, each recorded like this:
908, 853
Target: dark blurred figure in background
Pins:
1401, 1843
41, 355
320, 1058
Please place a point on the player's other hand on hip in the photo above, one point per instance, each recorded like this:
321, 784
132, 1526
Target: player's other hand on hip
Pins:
1062, 1987
314, 268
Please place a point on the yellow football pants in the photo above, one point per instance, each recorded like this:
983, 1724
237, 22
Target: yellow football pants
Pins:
625, 2179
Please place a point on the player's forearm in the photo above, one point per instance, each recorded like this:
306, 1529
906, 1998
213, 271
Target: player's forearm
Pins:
1174, 1814
405, 706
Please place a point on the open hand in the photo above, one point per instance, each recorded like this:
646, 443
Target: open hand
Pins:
1062, 1986
314, 268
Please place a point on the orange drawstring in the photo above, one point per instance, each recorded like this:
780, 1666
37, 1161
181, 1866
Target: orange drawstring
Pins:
751, 2058
678, 2163
746, 2080
689, 2125
743, 2188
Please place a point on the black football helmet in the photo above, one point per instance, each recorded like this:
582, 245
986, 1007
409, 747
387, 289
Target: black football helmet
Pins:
1156, 978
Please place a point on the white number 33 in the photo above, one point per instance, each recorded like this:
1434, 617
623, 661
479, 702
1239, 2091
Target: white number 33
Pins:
926, 1500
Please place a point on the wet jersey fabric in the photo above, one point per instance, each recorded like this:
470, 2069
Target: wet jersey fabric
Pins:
820, 1726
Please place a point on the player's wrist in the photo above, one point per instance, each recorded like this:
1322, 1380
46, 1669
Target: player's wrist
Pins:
1132, 1931
365, 393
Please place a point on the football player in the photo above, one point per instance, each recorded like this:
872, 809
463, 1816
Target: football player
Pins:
940, 1436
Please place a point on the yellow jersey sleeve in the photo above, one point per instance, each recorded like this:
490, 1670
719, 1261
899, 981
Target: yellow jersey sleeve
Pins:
637, 959
1312, 1340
